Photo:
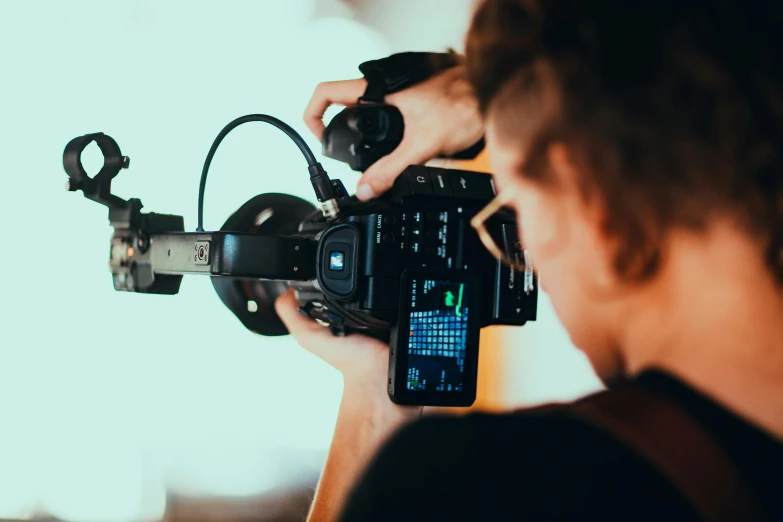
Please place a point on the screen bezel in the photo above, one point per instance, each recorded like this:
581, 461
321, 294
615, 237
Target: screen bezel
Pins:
467, 396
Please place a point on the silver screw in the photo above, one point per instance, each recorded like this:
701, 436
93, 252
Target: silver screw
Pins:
296, 268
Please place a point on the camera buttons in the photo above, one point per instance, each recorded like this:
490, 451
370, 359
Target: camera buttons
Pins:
441, 184
419, 180
472, 185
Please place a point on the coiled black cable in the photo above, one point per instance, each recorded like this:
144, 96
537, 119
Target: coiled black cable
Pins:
318, 177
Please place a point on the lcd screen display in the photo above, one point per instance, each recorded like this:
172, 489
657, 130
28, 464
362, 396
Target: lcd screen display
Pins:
437, 335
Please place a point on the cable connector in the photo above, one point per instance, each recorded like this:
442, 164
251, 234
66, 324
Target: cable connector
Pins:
330, 208
324, 191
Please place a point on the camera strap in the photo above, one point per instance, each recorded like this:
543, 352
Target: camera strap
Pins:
675, 444
402, 70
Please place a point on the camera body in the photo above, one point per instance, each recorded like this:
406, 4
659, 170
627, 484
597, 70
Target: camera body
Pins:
423, 223
406, 268
364, 272
423, 268
360, 135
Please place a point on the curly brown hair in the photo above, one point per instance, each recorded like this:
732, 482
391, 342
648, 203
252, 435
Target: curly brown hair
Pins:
673, 109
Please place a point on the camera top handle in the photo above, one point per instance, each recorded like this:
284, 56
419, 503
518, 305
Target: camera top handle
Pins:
150, 252
122, 213
97, 188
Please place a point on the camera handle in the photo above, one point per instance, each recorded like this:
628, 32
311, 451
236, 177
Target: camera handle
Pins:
151, 252
402, 70
345, 139
122, 213
126, 214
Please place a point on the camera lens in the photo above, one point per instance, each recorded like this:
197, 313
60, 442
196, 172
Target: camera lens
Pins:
368, 123
252, 301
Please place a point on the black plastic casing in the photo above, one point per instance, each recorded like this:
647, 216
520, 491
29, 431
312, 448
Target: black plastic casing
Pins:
361, 135
424, 223
421, 226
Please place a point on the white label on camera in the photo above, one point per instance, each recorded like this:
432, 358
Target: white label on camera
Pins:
201, 257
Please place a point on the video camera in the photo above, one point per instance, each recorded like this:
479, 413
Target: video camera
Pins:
406, 268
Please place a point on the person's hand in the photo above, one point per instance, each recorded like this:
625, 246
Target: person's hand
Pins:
361, 360
367, 417
441, 118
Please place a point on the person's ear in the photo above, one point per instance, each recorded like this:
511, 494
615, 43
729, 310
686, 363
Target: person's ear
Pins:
570, 179
563, 170
584, 212
546, 213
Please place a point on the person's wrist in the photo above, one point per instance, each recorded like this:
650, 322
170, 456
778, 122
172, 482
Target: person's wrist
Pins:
368, 403
464, 106
460, 91
368, 424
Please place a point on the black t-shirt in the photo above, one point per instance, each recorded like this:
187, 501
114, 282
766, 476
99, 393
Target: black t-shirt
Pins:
547, 465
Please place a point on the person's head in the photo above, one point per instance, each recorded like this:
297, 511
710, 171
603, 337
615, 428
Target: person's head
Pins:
618, 122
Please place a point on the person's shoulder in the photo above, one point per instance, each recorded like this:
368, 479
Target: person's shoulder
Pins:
490, 466
539, 429
543, 441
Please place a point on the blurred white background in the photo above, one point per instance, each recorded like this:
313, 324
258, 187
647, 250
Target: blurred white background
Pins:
109, 400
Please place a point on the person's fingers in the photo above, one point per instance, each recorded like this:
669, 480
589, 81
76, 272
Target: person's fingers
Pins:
381, 175
309, 334
318, 340
345, 92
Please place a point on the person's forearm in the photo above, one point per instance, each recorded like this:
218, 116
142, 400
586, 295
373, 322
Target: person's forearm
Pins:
358, 434
353, 439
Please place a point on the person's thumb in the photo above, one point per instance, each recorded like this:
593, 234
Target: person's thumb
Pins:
381, 175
